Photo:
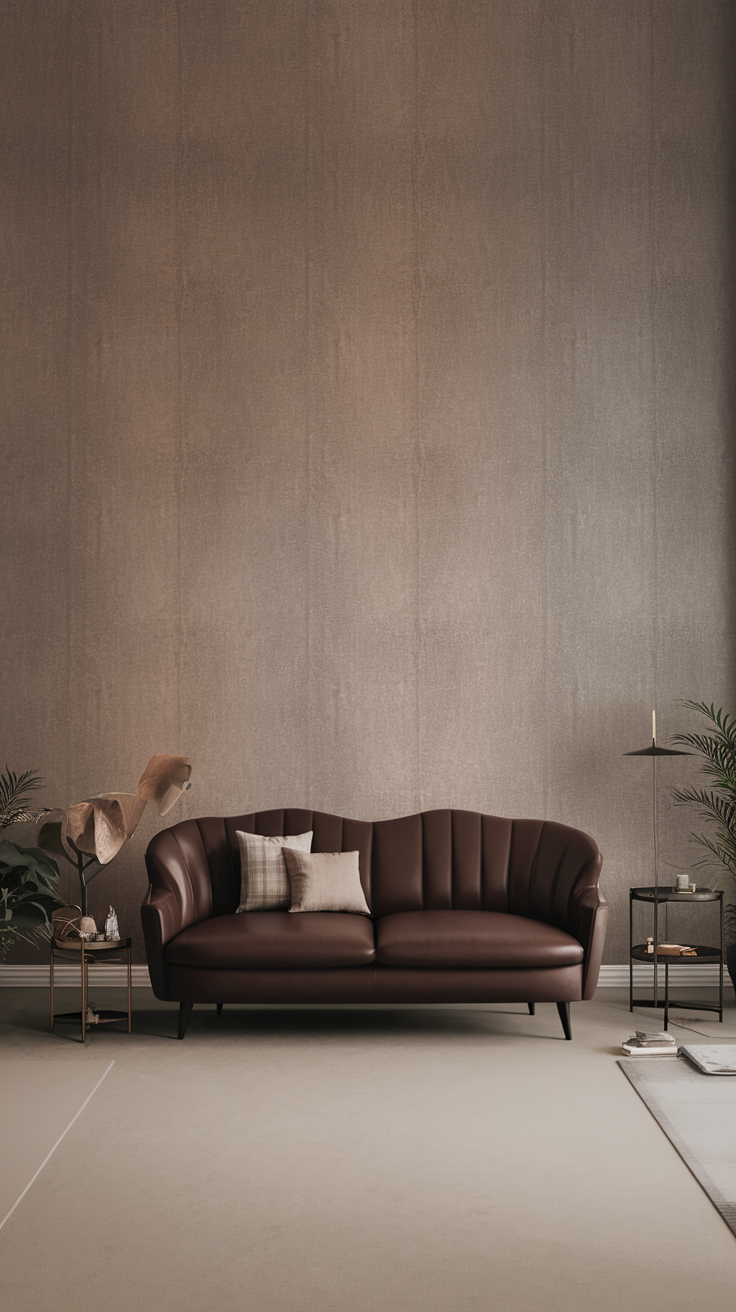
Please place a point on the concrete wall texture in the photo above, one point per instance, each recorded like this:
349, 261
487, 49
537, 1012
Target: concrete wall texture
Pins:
368, 405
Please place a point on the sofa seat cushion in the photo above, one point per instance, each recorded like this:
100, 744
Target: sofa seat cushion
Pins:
471, 940
275, 940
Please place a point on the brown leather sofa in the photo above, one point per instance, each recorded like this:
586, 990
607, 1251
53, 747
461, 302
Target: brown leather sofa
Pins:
465, 908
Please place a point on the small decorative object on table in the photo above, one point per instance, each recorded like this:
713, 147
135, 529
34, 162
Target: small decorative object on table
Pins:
112, 933
671, 949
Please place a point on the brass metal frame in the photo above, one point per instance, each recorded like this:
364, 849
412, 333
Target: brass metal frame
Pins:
70, 950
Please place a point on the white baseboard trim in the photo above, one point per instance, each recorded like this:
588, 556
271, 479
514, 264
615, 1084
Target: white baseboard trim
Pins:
697, 977
36, 977
611, 977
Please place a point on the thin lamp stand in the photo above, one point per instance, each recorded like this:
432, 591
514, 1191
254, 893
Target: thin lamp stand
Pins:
654, 751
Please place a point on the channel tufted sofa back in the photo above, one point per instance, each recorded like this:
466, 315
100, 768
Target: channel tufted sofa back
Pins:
436, 861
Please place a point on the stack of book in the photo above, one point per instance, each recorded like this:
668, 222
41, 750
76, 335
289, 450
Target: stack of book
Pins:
643, 1044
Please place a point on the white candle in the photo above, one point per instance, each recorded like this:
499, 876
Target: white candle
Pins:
654, 727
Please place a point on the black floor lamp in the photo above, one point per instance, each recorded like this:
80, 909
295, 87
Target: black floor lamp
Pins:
654, 751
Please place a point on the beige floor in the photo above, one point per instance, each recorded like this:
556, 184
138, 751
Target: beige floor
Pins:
39, 1102
434, 1159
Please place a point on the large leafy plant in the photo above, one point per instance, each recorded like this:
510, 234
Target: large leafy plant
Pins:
28, 876
715, 804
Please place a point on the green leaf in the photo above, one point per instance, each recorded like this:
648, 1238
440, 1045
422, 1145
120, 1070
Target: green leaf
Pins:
31, 915
28, 896
43, 863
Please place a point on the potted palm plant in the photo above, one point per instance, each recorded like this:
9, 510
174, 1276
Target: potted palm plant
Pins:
716, 805
28, 876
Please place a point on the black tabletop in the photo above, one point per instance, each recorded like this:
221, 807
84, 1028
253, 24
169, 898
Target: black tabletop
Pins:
668, 894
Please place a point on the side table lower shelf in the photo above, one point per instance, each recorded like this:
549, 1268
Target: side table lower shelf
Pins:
83, 954
705, 956
658, 898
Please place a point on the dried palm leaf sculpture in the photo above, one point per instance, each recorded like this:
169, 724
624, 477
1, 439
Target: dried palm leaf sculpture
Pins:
92, 832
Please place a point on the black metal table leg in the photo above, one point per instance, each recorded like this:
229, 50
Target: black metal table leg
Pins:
631, 944
720, 970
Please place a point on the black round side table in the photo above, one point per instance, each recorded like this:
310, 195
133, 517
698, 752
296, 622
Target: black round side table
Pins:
705, 955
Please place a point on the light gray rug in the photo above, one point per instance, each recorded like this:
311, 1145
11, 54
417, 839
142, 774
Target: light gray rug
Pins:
698, 1114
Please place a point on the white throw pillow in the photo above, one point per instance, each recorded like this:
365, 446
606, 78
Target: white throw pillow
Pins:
264, 882
325, 881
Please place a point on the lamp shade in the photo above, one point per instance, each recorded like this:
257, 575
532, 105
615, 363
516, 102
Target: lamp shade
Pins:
657, 751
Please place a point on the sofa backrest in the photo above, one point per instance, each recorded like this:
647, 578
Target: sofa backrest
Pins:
439, 860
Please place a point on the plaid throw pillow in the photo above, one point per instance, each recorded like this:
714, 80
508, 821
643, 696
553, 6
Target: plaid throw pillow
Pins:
264, 882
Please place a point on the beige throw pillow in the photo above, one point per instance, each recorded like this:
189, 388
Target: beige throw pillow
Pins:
264, 882
325, 881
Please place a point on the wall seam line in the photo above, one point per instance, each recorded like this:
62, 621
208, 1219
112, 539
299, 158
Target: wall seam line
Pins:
179, 423
417, 439
307, 407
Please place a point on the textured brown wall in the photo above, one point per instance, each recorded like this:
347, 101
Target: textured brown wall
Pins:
367, 403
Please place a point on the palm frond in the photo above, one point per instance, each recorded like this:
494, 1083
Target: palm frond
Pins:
714, 749
725, 727
721, 856
22, 816
716, 806
719, 761
14, 793
710, 805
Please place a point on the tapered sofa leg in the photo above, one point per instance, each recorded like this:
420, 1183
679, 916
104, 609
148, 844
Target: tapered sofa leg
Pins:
564, 1011
219, 1008
532, 1008
185, 1011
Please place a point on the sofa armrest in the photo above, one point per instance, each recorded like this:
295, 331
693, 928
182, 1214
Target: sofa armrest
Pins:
554, 876
588, 919
180, 894
160, 920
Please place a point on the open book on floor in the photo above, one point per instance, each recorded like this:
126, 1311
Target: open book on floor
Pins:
712, 1058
